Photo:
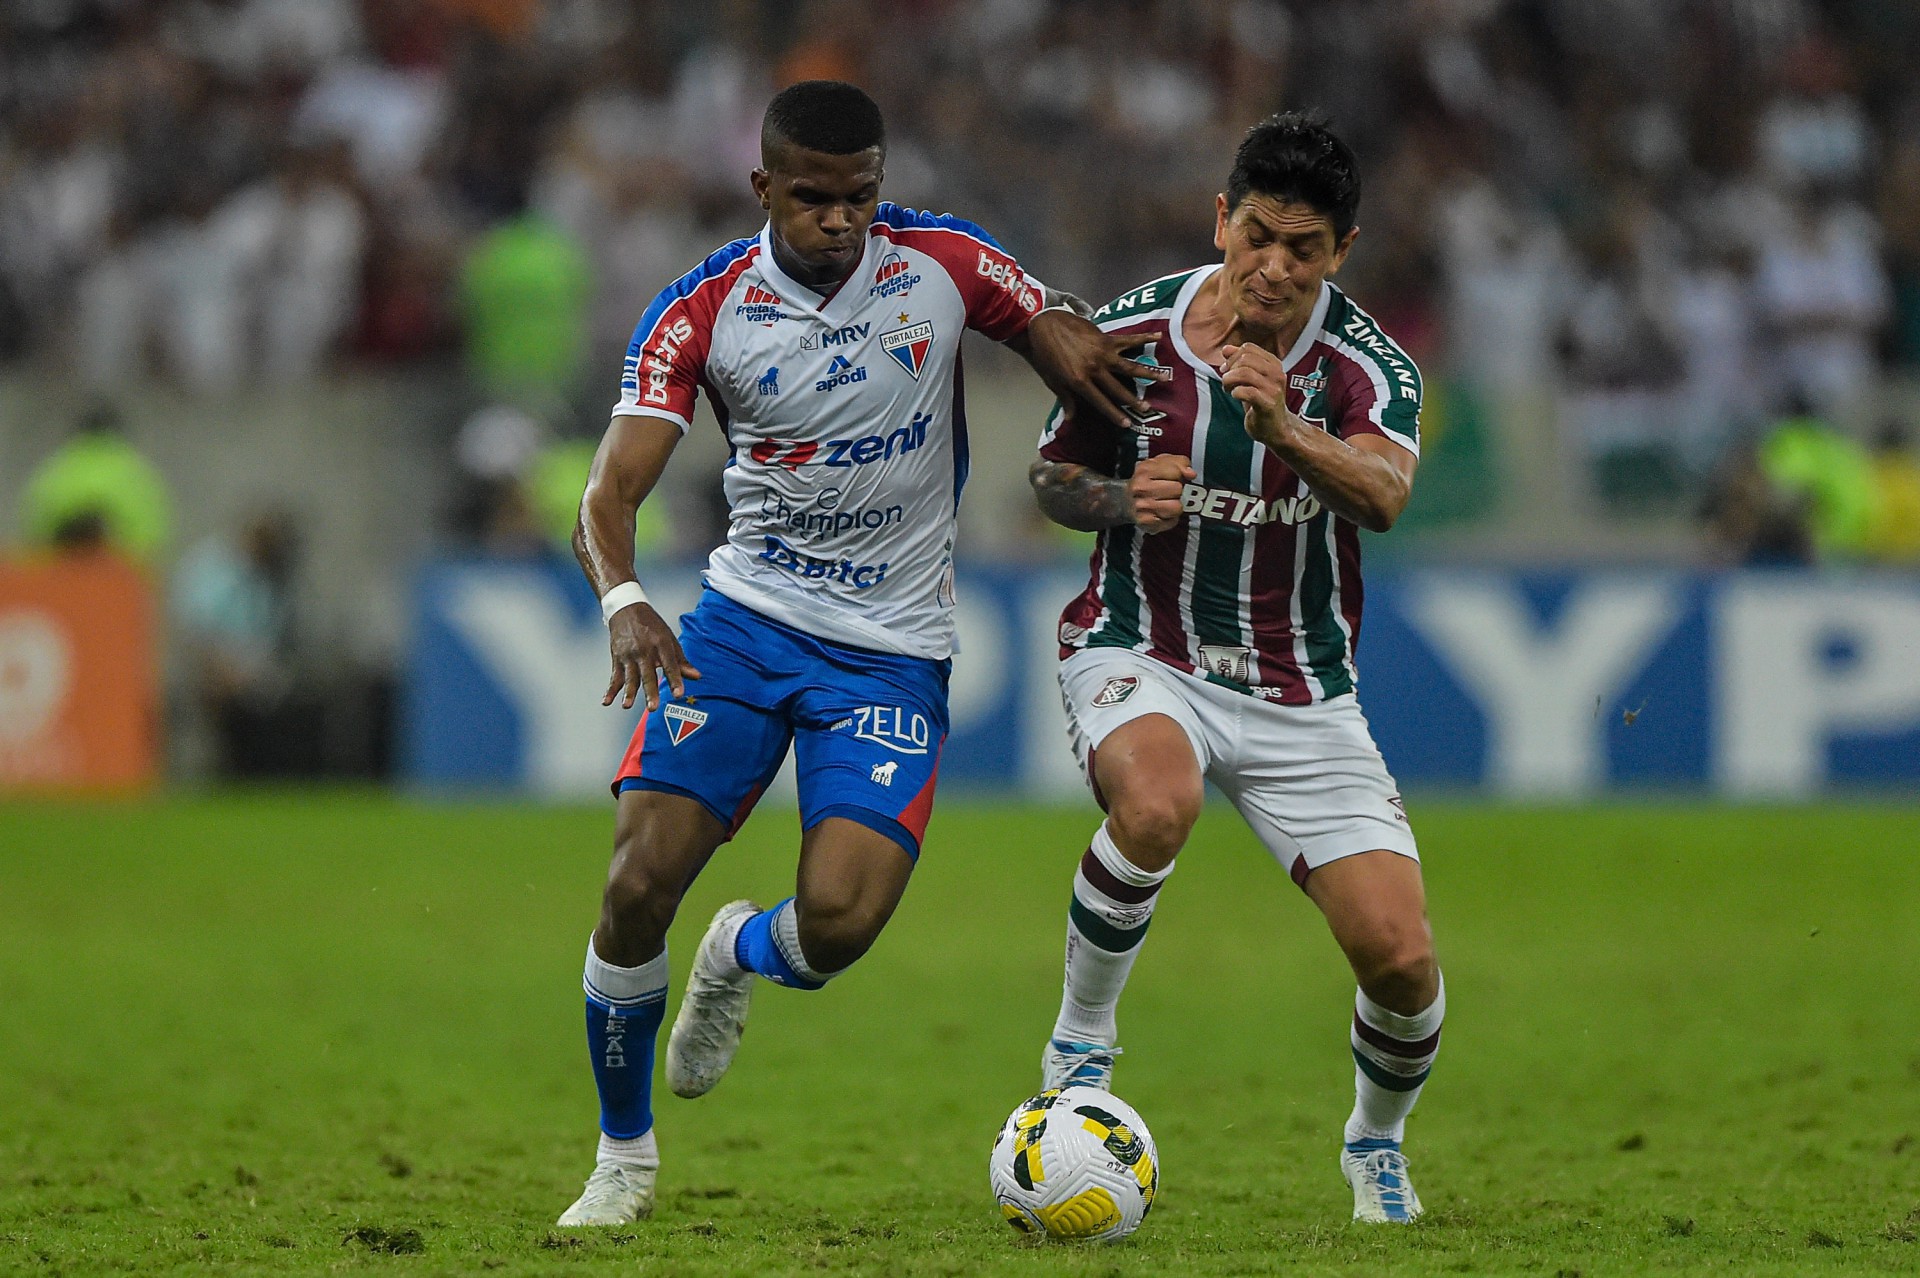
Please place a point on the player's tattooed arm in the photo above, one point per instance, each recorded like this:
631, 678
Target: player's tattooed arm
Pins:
1085, 500
640, 642
1365, 480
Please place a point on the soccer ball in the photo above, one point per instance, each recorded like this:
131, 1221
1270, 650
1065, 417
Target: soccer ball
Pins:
1074, 1162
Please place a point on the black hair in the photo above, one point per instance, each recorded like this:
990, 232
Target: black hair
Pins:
1295, 158
829, 116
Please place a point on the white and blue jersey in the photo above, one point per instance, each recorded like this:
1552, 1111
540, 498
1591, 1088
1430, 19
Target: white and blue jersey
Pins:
828, 621
846, 419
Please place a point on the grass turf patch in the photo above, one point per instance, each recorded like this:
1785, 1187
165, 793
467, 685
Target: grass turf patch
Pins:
307, 1033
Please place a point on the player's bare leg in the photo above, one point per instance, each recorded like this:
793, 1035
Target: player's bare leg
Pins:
850, 882
1375, 903
850, 879
1150, 782
661, 842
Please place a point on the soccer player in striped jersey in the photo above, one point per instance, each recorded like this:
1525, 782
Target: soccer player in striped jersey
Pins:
1216, 637
829, 348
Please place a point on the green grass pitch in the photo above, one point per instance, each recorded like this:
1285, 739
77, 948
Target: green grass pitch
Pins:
341, 1033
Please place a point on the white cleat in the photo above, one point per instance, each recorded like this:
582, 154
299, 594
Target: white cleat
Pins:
1382, 1192
706, 1033
1067, 1063
616, 1194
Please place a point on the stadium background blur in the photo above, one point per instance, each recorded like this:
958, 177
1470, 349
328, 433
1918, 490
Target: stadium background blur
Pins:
341, 288
312, 311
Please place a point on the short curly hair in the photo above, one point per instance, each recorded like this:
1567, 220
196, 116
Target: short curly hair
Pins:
830, 116
1295, 157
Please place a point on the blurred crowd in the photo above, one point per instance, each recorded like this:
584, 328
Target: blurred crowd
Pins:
1656, 226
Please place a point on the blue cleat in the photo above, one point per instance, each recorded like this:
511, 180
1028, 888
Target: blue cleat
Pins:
1382, 1192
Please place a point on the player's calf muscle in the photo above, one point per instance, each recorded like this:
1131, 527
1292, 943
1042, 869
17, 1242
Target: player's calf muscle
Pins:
839, 921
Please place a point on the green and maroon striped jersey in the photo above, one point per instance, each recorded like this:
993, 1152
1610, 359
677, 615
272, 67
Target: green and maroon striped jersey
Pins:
1259, 589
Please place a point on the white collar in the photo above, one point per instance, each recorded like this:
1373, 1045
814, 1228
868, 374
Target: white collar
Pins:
1184, 298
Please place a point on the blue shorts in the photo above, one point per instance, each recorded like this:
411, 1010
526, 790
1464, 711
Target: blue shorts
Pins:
866, 727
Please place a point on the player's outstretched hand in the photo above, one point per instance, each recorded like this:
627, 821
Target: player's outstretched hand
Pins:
1257, 378
1079, 362
1155, 489
642, 643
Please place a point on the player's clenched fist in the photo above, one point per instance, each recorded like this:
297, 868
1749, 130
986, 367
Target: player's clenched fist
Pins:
1155, 490
1257, 378
642, 643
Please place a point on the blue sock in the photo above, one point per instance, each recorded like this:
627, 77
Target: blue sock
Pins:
625, 1006
769, 943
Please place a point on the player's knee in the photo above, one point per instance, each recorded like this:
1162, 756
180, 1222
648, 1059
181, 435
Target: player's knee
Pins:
1150, 823
641, 898
1394, 964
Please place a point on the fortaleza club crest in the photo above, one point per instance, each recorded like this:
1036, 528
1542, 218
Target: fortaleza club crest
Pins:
909, 346
1117, 690
683, 722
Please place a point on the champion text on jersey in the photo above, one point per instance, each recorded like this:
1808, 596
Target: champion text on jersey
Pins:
1244, 509
863, 451
683, 721
769, 382
842, 372
1116, 690
828, 521
909, 346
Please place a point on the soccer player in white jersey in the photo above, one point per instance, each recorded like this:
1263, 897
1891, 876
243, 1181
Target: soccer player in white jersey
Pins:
1216, 638
829, 348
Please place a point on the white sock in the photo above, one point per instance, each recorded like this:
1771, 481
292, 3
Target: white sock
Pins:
1392, 1056
786, 938
1112, 904
624, 987
642, 1151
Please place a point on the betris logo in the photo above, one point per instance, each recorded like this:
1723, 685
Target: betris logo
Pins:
1009, 276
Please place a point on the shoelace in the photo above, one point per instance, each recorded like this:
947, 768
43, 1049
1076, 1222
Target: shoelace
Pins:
1386, 1170
719, 1008
1097, 1060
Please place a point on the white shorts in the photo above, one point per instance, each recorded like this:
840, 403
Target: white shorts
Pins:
1308, 779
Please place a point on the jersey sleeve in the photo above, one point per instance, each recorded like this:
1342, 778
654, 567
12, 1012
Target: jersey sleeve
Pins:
1379, 396
667, 357
1081, 438
1000, 297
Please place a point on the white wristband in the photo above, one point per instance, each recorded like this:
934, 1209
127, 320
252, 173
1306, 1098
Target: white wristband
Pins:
621, 596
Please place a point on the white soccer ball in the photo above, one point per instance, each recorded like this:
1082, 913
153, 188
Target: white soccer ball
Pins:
1075, 1162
